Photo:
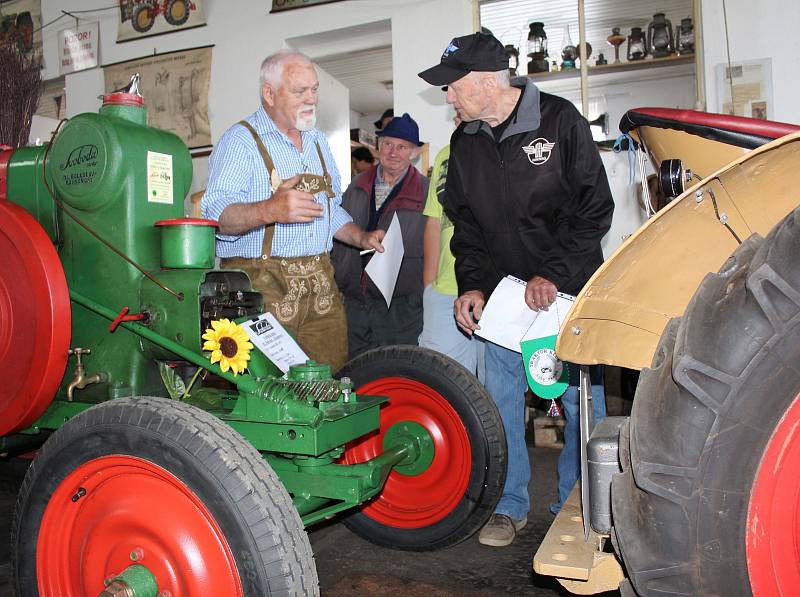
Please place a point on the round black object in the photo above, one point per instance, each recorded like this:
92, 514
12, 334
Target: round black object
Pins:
670, 177
227, 475
705, 416
427, 387
177, 12
143, 19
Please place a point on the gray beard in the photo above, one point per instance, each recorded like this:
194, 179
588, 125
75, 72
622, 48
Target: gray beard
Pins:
305, 123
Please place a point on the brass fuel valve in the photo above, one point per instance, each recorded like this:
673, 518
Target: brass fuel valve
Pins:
81, 380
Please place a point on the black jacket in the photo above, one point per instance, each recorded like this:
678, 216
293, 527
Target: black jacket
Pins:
537, 203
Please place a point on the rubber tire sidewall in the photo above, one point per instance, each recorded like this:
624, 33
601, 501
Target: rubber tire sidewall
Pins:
489, 460
168, 13
96, 433
135, 20
681, 504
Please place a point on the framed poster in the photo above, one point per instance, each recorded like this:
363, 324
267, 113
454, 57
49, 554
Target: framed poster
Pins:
281, 5
745, 88
175, 90
143, 18
22, 19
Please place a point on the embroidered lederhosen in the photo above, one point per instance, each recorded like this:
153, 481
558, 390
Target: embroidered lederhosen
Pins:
300, 291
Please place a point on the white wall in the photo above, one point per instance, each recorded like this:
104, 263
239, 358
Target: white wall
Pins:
670, 92
767, 29
243, 33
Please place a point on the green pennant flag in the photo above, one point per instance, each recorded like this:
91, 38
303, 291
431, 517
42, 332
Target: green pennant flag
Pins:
547, 376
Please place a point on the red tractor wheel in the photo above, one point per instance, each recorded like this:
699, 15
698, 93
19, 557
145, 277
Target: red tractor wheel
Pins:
35, 319
450, 494
162, 485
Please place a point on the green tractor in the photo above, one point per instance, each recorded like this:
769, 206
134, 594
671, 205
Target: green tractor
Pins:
157, 472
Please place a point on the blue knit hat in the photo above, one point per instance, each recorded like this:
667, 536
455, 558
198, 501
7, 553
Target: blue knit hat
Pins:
402, 127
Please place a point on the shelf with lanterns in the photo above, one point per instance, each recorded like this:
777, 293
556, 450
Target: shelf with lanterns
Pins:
652, 53
621, 69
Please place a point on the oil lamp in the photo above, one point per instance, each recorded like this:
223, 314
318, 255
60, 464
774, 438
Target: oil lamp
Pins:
537, 48
660, 42
685, 36
616, 39
569, 52
513, 59
637, 45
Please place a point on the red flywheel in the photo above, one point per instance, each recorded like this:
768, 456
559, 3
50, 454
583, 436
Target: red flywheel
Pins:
35, 319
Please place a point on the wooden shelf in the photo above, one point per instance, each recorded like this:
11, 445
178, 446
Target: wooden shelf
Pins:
607, 74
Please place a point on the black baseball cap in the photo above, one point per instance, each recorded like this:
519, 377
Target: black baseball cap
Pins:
477, 52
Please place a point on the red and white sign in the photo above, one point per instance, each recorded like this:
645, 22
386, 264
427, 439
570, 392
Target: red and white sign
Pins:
78, 48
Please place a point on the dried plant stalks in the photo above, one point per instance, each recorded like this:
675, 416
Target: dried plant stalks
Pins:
20, 86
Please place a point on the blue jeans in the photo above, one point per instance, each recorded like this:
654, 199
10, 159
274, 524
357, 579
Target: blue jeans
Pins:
506, 383
440, 333
569, 462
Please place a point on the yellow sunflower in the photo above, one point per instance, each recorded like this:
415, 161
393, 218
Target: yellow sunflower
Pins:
228, 344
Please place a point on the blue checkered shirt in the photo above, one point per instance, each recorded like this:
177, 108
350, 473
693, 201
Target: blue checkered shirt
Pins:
236, 174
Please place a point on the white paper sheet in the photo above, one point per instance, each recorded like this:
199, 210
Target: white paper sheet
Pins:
271, 338
384, 267
507, 319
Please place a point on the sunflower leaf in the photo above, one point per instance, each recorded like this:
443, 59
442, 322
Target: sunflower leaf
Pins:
172, 381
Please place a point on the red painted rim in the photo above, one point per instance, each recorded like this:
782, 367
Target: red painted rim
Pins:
412, 502
131, 503
120, 98
773, 517
35, 319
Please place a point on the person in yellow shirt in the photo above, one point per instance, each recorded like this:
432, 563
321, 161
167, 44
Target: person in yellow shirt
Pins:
439, 329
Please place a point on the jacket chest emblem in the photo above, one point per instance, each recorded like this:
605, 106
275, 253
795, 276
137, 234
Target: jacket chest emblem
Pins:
538, 151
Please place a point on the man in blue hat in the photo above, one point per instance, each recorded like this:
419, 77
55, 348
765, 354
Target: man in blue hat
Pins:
391, 187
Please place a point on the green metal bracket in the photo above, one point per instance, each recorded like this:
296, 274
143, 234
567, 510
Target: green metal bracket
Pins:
322, 488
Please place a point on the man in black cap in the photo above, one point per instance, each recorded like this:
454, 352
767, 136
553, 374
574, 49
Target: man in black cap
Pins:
392, 187
528, 195
385, 119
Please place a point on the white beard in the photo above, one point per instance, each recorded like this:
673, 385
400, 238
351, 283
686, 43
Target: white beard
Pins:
306, 123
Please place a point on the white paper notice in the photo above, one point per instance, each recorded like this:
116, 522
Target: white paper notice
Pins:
271, 338
384, 267
507, 319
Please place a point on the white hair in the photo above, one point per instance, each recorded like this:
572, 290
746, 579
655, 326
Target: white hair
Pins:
272, 67
503, 77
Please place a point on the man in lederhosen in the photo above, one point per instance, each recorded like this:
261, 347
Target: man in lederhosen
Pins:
276, 192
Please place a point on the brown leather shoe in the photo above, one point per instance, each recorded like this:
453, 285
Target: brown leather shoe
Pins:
500, 530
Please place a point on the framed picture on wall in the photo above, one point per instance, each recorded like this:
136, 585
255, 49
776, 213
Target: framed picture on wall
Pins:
144, 18
281, 5
175, 89
21, 20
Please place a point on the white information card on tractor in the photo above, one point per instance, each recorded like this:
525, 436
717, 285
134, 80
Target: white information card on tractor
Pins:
271, 338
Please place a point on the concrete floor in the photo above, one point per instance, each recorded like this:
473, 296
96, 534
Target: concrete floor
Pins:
351, 567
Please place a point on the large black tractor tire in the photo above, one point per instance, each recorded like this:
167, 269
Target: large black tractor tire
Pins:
143, 19
451, 499
177, 12
707, 503
163, 484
